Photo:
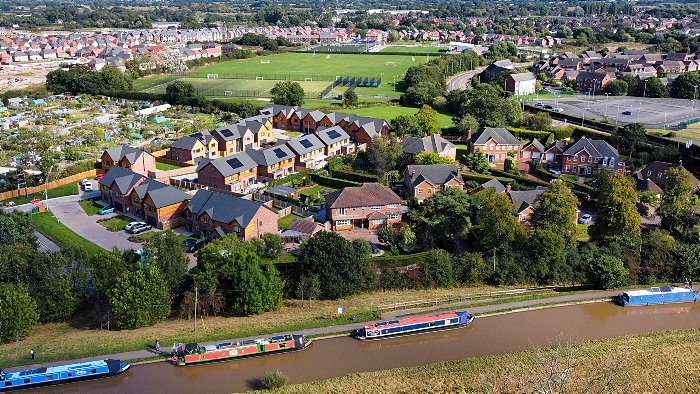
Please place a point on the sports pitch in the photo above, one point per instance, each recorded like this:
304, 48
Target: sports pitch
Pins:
240, 87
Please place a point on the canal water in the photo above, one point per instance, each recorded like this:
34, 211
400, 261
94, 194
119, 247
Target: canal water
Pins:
343, 356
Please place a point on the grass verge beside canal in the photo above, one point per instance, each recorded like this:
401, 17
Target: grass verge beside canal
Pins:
661, 362
47, 224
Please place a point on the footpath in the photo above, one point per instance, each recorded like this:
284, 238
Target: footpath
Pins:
334, 331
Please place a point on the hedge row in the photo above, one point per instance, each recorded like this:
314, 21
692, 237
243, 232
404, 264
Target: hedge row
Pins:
574, 119
353, 176
398, 261
529, 135
577, 187
333, 182
521, 179
481, 178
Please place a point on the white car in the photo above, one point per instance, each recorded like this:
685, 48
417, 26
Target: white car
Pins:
88, 187
133, 225
585, 218
84, 182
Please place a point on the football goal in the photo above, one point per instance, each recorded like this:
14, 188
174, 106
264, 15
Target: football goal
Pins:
259, 78
308, 80
413, 59
264, 62
228, 93
390, 63
328, 56
212, 76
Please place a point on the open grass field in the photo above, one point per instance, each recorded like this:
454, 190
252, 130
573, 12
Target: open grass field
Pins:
240, 87
390, 112
413, 49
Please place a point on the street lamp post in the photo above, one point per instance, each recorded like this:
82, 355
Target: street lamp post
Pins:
644, 93
695, 91
638, 112
607, 97
583, 116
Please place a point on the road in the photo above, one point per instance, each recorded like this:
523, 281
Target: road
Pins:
460, 81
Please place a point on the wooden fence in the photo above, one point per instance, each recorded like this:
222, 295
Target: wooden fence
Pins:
464, 297
284, 205
25, 191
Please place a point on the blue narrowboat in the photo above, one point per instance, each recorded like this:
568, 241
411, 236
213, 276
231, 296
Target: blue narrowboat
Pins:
657, 295
414, 325
59, 374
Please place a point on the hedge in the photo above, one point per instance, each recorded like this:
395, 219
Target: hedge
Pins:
353, 176
333, 182
481, 178
398, 261
609, 128
521, 179
576, 187
525, 134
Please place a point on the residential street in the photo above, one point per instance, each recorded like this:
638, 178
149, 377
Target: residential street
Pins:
72, 215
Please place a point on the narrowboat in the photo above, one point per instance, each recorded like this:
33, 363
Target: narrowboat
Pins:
657, 295
414, 325
60, 374
192, 353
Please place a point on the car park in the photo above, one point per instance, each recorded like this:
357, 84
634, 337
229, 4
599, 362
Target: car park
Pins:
585, 218
627, 113
131, 226
105, 211
140, 227
192, 245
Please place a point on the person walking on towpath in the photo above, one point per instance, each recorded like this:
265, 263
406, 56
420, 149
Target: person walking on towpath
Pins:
157, 345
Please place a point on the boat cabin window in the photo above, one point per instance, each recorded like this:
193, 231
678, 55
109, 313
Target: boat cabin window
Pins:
655, 290
49, 377
27, 380
70, 374
8, 383
282, 345
93, 370
432, 324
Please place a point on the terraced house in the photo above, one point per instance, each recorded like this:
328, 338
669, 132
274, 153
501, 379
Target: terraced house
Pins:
369, 206
309, 152
191, 148
273, 163
233, 139
213, 215
129, 158
116, 186
336, 141
234, 173
160, 205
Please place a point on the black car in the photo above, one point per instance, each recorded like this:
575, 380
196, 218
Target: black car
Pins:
139, 228
192, 245
547, 106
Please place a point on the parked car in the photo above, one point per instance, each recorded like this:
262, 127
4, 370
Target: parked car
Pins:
192, 245
547, 106
554, 171
557, 109
105, 211
141, 227
84, 182
155, 140
131, 225
585, 218
539, 105
99, 177
627, 113
87, 187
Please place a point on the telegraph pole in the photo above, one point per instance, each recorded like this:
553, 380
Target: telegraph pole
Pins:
195, 307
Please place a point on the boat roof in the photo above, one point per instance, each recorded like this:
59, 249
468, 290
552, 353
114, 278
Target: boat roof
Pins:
55, 369
658, 290
412, 320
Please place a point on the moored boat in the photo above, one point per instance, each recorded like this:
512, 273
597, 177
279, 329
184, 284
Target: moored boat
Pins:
657, 295
414, 325
192, 353
59, 374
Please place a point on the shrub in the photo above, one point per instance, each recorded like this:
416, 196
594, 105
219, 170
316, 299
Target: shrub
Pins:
274, 380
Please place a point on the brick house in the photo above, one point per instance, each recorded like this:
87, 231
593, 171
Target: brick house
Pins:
280, 114
214, 215
552, 154
160, 205
309, 152
588, 81
532, 150
334, 138
423, 181
435, 143
232, 173
363, 129
233, 139
306, 120
273, 163
587, 156
261, 127
521, 83
525, 203
189, 149
653, 176
496, 143
116, 186
370, 206
129, 158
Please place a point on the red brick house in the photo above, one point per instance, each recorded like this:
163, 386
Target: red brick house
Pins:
190, 148
532, 150
525, 203
370, 206
587, 157
160, 205
423, 181
496, 143
588, 81
273, 163
214, 215
232, 173
281, 115
309, 152
116, 186
129, 158
435, 143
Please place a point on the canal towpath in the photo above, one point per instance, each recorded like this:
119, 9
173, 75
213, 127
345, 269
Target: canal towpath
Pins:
481, 310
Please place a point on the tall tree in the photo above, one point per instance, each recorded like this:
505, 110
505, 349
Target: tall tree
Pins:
169, 257
383, 154
443, 216
685, 86
630, 137
339, 265
403, 125
427, 119
350, 98
617, 87
18, 314
16, 228
438, 268
287, 93
178, 91
477, 162
427, 158
487, 104
654, 88
618, 221
556, 210
140, 298
496, 225
675, 201
655, 260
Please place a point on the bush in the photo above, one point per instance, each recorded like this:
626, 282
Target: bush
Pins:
274, 380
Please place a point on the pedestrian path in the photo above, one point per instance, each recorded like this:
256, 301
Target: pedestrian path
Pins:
347, 328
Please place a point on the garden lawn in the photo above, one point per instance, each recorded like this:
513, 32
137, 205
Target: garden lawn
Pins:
582, 233
90, 206
314, 190
69, 189
292, 133
143, 237
167, 167
392, 111
61, 235
284, 221
115, 224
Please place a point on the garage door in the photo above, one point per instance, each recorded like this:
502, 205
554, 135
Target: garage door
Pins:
526, 154
119, 207
152, 221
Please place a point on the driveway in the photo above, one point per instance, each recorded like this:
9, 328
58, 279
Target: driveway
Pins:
72, 215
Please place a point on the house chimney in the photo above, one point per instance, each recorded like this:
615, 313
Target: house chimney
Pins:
469, 135
508, 188
413, 175
680, 163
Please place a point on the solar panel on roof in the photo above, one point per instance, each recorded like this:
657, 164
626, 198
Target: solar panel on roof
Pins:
306, 143
334, 134
234, 163
280, 153
226, 132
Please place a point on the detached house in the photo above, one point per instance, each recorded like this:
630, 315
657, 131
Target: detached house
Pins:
423, 181
213, 215
370, 206
525, 203
496, 143
653, 177
586, 157
231, 173
129, 158
520, 84
588, 81
435, 143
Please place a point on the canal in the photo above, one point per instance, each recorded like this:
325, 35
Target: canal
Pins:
343, 356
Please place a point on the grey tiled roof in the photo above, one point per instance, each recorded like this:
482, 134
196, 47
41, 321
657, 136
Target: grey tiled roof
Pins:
186, 142
368, 194
269, 156
495, 184
224, 208
437, 174
305, 144
230, 165
535, 143
596, 148
168, 195
331, 135
524, 199
433, 143
124, 179
119, 152
500, 135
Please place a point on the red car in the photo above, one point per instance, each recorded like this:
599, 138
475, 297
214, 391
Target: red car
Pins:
99, 176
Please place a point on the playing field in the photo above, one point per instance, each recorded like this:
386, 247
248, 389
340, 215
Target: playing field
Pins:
241, 87
414, 49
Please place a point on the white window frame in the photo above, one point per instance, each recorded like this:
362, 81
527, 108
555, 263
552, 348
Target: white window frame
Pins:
376, 207
342, 211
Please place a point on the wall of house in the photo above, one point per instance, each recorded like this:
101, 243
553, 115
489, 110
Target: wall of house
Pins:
143, 164
180, 155
360, 213
497, 153
164, 214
